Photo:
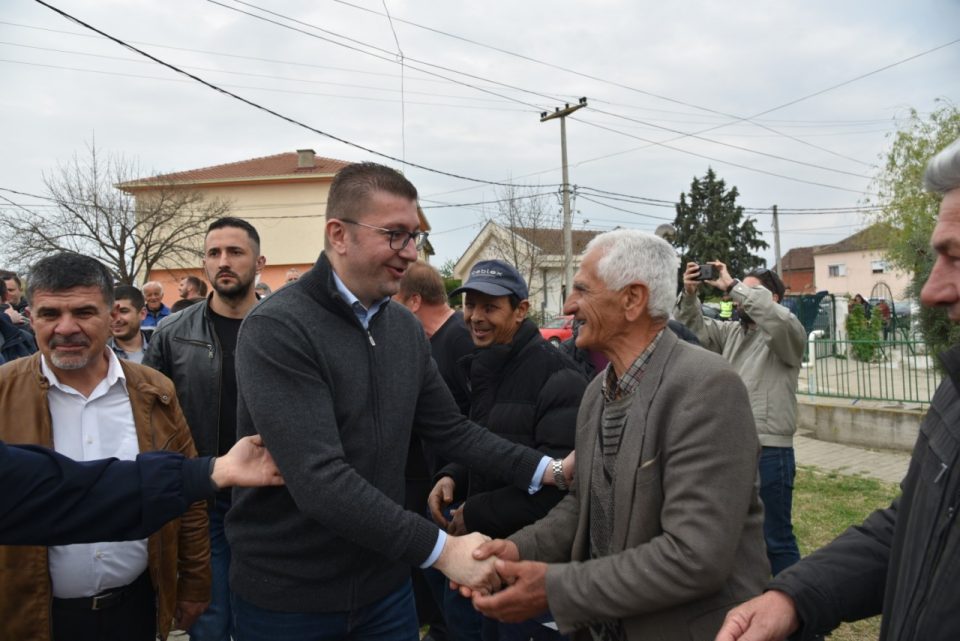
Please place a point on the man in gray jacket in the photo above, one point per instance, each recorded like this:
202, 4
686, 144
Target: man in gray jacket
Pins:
661, 532
766, 348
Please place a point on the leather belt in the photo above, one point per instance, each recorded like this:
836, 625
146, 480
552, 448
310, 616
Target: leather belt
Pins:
103, 601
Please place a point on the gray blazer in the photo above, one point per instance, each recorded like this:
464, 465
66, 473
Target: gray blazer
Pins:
688, 524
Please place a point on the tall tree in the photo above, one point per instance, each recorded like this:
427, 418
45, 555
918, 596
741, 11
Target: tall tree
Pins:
911, 211
93, 217
710, 225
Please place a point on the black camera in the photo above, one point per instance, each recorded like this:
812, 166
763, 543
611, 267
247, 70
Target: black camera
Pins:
708, 272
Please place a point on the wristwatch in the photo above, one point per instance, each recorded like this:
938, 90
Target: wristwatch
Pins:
558, 478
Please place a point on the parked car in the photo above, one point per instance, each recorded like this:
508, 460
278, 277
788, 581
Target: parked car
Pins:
558, 329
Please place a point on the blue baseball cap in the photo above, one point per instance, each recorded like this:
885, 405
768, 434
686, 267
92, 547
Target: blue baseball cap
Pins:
496, 278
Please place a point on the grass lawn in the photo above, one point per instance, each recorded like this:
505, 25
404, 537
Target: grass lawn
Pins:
826, 504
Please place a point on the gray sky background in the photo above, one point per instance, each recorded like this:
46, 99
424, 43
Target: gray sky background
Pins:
655, 67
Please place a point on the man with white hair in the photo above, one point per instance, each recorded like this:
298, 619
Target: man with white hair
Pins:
662, 532
156, 309
903, 560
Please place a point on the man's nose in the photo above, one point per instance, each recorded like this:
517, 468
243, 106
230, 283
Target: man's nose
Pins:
409, 251
66, 325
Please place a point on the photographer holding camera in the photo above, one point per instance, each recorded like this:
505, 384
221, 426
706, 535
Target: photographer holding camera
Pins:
766, 349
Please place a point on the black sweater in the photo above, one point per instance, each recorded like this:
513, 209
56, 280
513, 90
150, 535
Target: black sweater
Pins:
527, 391
335, 405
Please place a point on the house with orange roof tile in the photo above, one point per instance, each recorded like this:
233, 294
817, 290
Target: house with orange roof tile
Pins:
284, 196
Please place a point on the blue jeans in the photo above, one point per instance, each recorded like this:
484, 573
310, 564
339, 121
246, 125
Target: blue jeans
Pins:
392, 618
777, 471
216, 622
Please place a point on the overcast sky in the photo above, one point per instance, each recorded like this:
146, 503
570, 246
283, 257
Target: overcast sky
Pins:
467, 98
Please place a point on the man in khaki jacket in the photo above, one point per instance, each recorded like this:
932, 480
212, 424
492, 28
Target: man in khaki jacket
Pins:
661, 532
78, 398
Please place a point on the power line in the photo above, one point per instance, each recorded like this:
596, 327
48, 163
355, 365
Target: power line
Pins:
727, 144
255, 75
726, 162
538, 94
751, 118
485, 202
626, 211
403, 102
271, 111
256, 88
538, 108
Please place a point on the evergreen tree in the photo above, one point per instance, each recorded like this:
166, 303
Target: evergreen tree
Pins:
710, 225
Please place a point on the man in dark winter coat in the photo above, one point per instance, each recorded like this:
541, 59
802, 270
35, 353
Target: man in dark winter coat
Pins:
903, 560
523, 389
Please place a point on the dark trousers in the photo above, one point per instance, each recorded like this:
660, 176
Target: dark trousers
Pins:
777, 471
133, 617
392, 618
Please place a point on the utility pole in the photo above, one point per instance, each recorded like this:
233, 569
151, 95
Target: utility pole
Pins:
567, 222
776, 242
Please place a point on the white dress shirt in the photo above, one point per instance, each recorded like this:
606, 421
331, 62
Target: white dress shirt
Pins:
87, 428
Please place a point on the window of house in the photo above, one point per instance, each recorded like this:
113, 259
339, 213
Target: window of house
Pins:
837, 270
878, 266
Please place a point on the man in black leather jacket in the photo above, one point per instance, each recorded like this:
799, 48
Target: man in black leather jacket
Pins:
195, 348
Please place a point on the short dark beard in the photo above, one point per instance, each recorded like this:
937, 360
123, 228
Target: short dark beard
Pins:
234, 292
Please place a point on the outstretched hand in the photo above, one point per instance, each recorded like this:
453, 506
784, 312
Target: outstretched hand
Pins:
524, 598
247, 464
772, 616
459, 564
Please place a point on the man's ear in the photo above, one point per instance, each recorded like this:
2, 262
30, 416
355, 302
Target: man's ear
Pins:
414, 302
522, 310
635, 297
336, 235
143, 313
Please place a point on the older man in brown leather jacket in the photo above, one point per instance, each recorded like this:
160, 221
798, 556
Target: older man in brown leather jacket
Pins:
78, 398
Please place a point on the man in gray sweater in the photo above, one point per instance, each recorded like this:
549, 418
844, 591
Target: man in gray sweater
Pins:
335, 377
766, 349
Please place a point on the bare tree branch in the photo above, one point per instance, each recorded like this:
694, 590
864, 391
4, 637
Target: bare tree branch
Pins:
162, 227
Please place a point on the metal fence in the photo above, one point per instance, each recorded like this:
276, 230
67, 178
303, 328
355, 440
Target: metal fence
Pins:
899, 371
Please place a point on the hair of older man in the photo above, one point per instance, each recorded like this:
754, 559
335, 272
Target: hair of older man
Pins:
943, 170
67, 270
630, 256
130, 293
355, 184
425, 280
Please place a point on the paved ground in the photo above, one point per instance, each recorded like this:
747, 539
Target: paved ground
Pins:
887, 465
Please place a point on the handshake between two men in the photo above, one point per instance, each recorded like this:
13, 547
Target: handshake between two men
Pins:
489, 571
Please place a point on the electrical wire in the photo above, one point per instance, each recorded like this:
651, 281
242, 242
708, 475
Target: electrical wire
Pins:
271, 111
718, 160
255, 88
752, 118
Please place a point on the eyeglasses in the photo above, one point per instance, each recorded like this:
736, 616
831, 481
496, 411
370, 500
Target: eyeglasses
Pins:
398, 237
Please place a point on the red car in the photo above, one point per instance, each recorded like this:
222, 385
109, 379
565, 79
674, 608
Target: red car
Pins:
556, 330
